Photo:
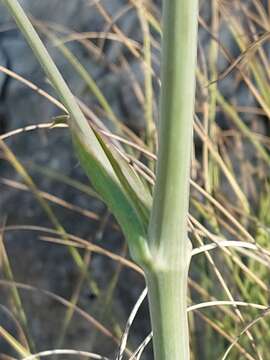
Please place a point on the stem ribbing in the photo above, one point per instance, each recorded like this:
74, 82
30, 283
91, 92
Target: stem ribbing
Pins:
168, 240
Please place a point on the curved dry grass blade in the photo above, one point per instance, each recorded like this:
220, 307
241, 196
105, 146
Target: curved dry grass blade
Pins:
78, 286
218, 303
136, 355
129, 324
139, 145
33, 87
234, 184
53, 199
83, 354
28, 128
116, 29
222, 244
221, 208
245, 330
78, 242
242, 58
85, 315
224, 285
20, 169
237, 260
18, 327
138, 352
226, 336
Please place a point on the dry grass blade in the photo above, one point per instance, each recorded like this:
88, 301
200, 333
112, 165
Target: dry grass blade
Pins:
33, 87
237, 260
75, 241
245, 330
221, 244
147, 67
64, 179
16, 301
226, 336
85, 315
228, 303
83, 354
20, 169
231, 178
53, 199
129, 324
34, 127
243, 57
80, 243
115, 28
138, 352
79, 285
94, 35
225, 287
21, 334
82, 72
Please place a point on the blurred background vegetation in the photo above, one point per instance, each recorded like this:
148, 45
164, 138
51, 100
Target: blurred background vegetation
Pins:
77, 291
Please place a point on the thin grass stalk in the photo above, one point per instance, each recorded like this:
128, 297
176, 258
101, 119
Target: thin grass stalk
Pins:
15, 295
147, 68
168, 239
79, 122
214, 172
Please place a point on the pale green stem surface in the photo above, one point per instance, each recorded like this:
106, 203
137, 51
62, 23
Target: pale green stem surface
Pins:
168, 241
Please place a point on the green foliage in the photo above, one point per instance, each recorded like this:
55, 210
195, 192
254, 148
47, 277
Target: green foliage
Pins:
120, 197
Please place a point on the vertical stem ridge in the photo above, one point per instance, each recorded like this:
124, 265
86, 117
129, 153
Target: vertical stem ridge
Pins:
167, 294
171, 197
168, 239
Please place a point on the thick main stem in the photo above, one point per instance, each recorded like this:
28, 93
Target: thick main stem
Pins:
167, 294
168, 240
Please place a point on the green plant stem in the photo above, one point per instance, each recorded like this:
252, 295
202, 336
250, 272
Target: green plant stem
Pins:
167, 293
168, 241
